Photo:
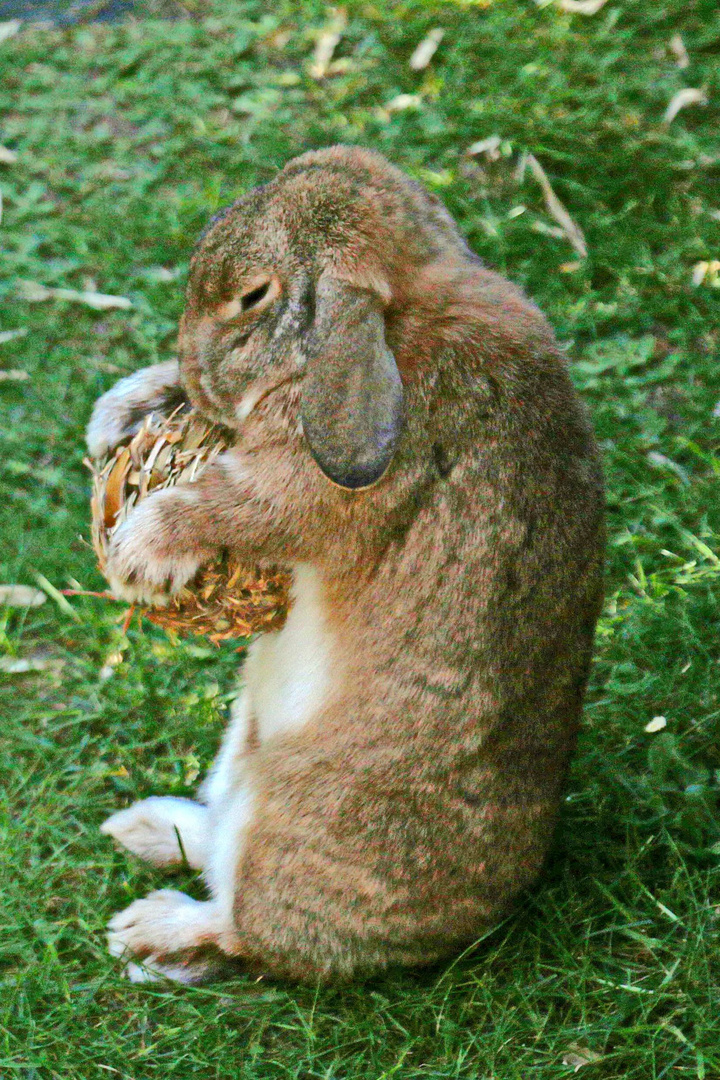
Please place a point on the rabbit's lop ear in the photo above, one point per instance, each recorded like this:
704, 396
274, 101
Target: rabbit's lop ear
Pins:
352, 398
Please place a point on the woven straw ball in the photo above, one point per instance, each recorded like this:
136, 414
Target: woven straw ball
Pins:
225, 599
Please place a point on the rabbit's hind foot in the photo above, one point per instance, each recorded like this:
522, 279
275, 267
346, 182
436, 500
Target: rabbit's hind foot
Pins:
163, 830
169, 935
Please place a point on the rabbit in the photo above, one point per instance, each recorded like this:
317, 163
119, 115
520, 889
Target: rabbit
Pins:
409, 443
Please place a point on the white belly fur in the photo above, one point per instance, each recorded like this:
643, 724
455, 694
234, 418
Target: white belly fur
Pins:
287, 674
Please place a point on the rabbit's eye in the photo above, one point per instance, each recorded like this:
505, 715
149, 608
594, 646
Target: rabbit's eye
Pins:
250, 299
261, 294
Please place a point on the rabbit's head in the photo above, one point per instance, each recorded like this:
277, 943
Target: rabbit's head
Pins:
295, 282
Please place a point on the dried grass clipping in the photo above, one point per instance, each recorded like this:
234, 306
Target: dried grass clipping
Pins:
225, 600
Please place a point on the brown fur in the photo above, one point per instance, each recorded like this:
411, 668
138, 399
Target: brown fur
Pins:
462, 589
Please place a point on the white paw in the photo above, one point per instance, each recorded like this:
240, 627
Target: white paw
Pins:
162, 829
142, 566
119, 412
164, 924
110, 423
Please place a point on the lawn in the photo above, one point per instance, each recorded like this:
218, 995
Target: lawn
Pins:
125, 138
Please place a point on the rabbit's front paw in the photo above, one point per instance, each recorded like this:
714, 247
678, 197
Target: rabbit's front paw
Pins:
145, 563
112, 421
119, 412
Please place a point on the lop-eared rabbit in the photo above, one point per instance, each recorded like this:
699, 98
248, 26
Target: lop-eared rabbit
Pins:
408, 441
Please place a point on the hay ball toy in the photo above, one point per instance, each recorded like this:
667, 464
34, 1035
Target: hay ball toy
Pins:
225, 599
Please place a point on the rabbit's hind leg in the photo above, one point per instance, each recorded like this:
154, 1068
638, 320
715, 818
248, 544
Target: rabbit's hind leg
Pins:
169, 935
168, 831
227, 770
165, 831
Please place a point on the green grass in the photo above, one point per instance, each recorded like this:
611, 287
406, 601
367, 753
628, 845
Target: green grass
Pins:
128, 138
